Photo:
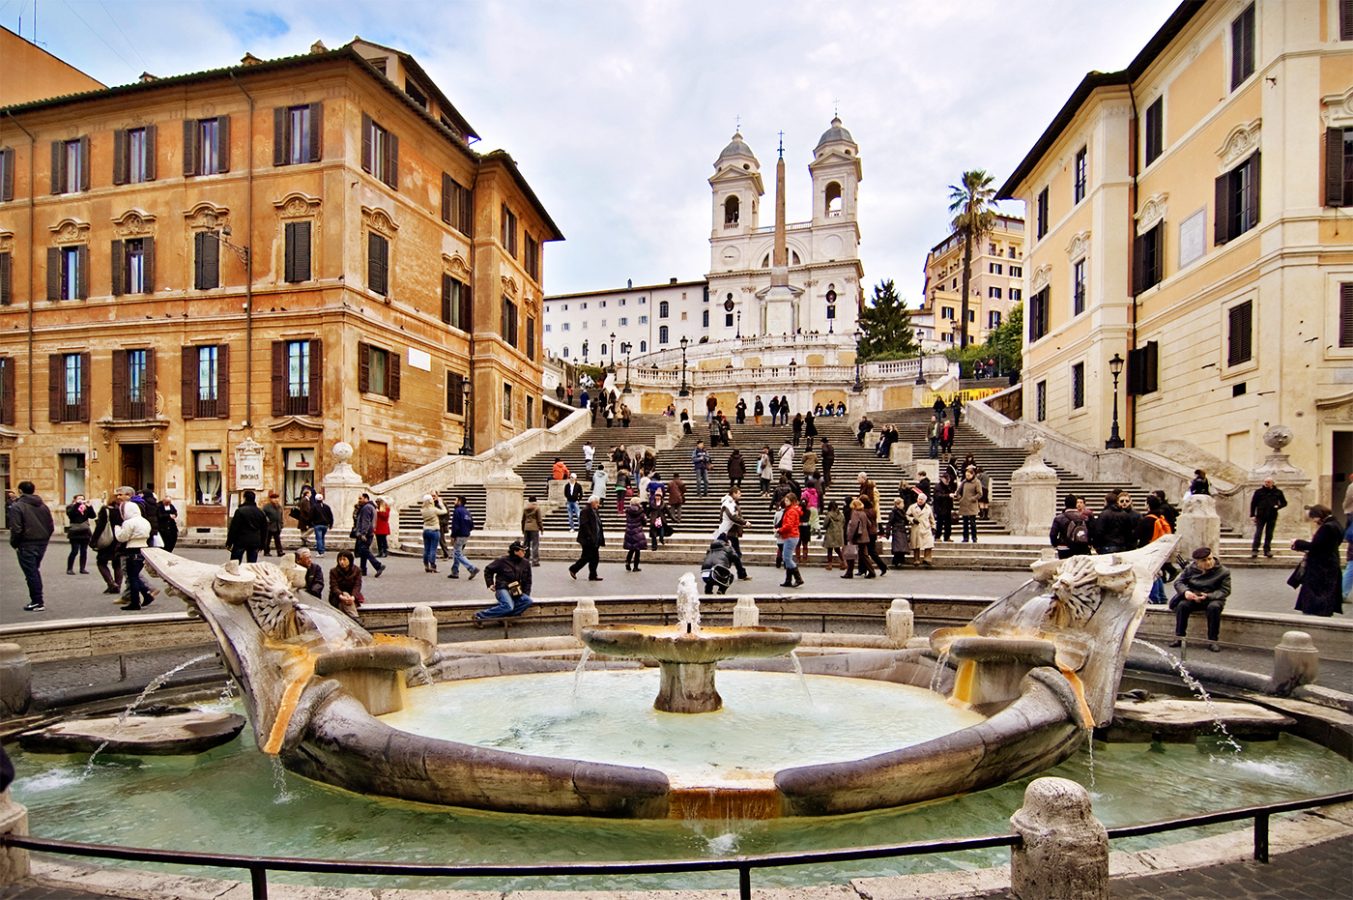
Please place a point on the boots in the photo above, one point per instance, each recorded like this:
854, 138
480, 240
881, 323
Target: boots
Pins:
798, 578
789, 579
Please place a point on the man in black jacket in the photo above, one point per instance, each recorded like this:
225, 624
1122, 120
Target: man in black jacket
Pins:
591, 537
314, 575
30, 528
248, 529
1264, 506
509, 577
1204, 585
1116, 528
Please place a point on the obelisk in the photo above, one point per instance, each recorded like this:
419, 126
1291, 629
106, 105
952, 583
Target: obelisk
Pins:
779, 302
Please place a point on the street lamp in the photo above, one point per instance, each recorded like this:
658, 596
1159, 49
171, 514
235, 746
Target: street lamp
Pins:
625, 348
467, 440
685, 391
1115, 442
612, 351
859, 385
739, 331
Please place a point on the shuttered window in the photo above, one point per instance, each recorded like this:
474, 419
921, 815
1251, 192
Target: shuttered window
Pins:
206, 261
532, 260
1078, 386
1042, 212
70, 166
1082, 178
530, 337
68, 272
297, 378
1237, 201
297, 253
1077, 287
1346, 315
1242, 47
7, 174
1239, 333
1339, 166
1143, 365
206, 382
1038, 315
455, 393
377, 371
68, 387
297, 134
1154, 131
457, 205
206, 146
133, 384
380, 152
1041, 401
134, 155
1148, 258
457, 310
8, 390
377, 263
509, 322
1346, 20
508, 237
133, 266
6, 277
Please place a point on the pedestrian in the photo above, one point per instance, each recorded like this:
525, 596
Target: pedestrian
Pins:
598, 484
955, 409
345, 584
785, 456
364, 533
509, 577
700, 460
944, 507
30, 530
717, 567
431, 511
625, 415
302, 513
610, 413
272, 509
758, 410
314, 575
1264, 506
573, 495
658, 515
841, 408
1200, 484
382, 529
149, 504
1070, 530
921, 526
899, 533
732, 526
78, 530
774, 411
107, 551
591, 538
636, 523
939, 408
862, 429
676, 495
725, 428
711, 404
685, 419
1203, 586
559, 471
857, 541
969, 495
321, 520
805, 527
796, 429
784, 409
1319, 592
933, 433
589, 454
809, 430
740, 410
167, 516
462, 525
737, 468
1117, 528
532, 524
828, 457
764, 469
946, 437
247, 531
134, 535
834, 535
788, 533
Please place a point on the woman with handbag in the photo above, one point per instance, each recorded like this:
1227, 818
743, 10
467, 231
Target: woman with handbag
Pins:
1318, 574
107, 551
636, 522
78, 516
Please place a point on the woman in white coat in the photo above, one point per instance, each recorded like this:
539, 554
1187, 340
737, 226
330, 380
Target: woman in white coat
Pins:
134, 534
921, 519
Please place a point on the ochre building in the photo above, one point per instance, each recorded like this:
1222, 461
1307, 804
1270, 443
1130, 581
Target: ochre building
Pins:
996, 285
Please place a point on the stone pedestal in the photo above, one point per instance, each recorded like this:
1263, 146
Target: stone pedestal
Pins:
1033, 493
1064, 853
423, 624
902, 453
506, 497
1295, 662
585, 615
1198, 524
745, 613
16, 681
554, 492
1292, 521
14, 866
901, 623
341, 488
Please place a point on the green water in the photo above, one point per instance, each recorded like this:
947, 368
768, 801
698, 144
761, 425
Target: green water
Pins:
227, 800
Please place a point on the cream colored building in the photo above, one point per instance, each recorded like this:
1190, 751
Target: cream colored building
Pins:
996, 284
1155, 235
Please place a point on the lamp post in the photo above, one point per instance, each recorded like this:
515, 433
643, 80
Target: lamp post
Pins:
467, 440
685, 391
739, 331
1115, 442
625, 348
859, 385
612, 351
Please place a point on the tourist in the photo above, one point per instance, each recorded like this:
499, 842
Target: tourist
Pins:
573, 495
598, 485
1348, 548
711, 404
1116, 528
810, 469
107, 551
841, 408
715, 431
30, 530
1264, 506
1070, 530
303, 513
813, 498
443, 525
247, 531
740, 411
939, 408
809, 430
345, 584
717, 568
764, 468
166, 523
731, 527
700, 460
725, 428
591, 538
78, 516
685, 422
797, 428
946, 432
857, 541
624, 492
805, 526
828, 460
788, 533
899, 532
1319, 592
955, 409
921, 525
737, 468
272, 510
636, 523
786, 459
589, 455
509, 577
364, 532
834, 535
149, 503
462, 526
134, 535
658, 516
862, 429
321, 520
1171, 514
758, 410
625, 415
969, 495
1203, 585
314, 575
430, 509
774, 411
559, 471
382, 529
609, 411
676, 495
1200, 484
884, 448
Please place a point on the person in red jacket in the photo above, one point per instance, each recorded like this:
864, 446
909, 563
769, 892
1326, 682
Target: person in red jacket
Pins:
788, 532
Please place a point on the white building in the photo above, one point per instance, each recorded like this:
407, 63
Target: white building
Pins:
594, 325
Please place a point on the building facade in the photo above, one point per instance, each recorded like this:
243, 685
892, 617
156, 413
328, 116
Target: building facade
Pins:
598, 326
269, 259
996, 284
1156, 237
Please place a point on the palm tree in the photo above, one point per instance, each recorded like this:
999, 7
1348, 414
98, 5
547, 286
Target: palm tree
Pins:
971, 203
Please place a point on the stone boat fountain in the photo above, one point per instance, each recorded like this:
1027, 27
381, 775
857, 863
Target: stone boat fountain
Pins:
1035, 671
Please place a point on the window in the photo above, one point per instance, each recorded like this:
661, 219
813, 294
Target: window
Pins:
994, 318
1143, 364
530, 341
6, 276
1339, 166
298, 464
1082, 175
1148, 258
532, 261
564, 352
455, 392
1078, 287
456, 306
206, 260
133, 265
68, 272
1237, 195
1242, 47
662, 334
297, 255
643, 345
995, 268
1155, 130
6, 174
1346, 315
297, 377
1042, 212
134, 155
509, 322
206, 146
507, 402
1078, 386
683, 315
1016, 271
378, 263
8, 390
548, 327
947, 312
704, 319
728, 320
643, 320
994, 293
1016, 293
207, 477
415, 94
1345, 21
508, 237
380, 152
1038, 315
993, 249
297, 134
564, 327
133, 384
68, 387
731, 211
624, 320
530, 412
377, 371
664, 310
1041, 401
1239, 325
70, 166
622, 301
206, 382
458, 206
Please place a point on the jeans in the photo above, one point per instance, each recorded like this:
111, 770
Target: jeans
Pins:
363, 553
320, 532
430, 538
382, 545
701, 482
30, 555
506, 606
787, 553
532, 541
573, 514
458, 557
1347, 585
79, 546
137, 592
1264, 527
934, 448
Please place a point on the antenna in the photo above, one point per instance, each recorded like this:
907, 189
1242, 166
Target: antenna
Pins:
782, 145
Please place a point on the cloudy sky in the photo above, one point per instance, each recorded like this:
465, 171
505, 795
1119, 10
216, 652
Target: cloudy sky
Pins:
615, 111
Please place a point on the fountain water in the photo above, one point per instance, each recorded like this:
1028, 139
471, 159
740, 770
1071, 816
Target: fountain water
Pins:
1196, 686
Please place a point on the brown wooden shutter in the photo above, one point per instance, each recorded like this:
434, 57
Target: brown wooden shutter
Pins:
1139, 264
189, 146
1240, 320
1252, 194
199, 253
392, 169
467, 213
223, 136
446, 198
54, 398
211, 260
82, 276
82, 409
223, 381
7, 174
366, 143
150, 383
188, 380
446, 298
279, 377
392, 376
301, 261
6, 275
84, 163
378, 266
1346, 20
363, 368
316, 377
118, 257
280, 135
53, 273
466, 309
9, 391
1334, 166
1346, 314
120, 156
316, 132
121, 397
58, 167
1221, 230
151, 170
148, 262
289, 254
531, 339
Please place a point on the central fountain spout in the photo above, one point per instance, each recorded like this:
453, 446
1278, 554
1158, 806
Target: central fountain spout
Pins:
688, 655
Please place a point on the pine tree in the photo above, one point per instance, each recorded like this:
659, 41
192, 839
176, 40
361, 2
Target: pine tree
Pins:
885, 326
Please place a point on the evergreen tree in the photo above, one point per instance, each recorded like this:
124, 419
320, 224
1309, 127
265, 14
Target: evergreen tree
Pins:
885, 326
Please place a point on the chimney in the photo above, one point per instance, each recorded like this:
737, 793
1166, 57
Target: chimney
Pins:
146, 77
671, 280
318, 47
249, 59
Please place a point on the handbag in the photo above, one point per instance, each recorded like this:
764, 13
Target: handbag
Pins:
105, 538
1298, 574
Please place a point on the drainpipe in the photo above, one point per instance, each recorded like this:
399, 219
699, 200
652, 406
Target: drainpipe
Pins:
1130, 399
32, 286
248, 264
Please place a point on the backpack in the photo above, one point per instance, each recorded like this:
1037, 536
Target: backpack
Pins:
1075, 532
1160, 527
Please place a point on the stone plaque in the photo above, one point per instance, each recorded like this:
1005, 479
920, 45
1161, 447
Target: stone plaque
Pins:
1192, 237
249, 466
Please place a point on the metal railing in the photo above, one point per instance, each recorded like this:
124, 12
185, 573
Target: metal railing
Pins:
258, 867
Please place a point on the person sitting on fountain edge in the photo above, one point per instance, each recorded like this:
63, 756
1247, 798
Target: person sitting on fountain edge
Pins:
509, 577
717, 569
1204, 585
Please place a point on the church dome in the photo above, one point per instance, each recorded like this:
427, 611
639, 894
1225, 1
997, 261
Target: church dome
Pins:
736, 151
837, 133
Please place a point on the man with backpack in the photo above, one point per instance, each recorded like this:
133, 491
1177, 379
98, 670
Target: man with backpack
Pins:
1070, 531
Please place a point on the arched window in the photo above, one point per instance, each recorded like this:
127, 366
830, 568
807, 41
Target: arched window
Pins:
643, 346
765, 261
730, 210
603, 349
833, 198
663, 310
564, 352
662, 334
794, 258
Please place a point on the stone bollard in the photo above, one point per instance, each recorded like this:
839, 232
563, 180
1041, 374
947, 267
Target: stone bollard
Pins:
1064, 854
13, 820
16, 681
1295, 662
423, 624
585, 615
901, 623
745, 613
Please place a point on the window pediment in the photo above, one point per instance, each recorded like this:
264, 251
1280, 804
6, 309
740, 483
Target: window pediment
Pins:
1040, 278
456, 265
1079, 246
1240, 143
133, 223
207, 216
296, 205
1337, 109
70, 231
379, 220
1152, 212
